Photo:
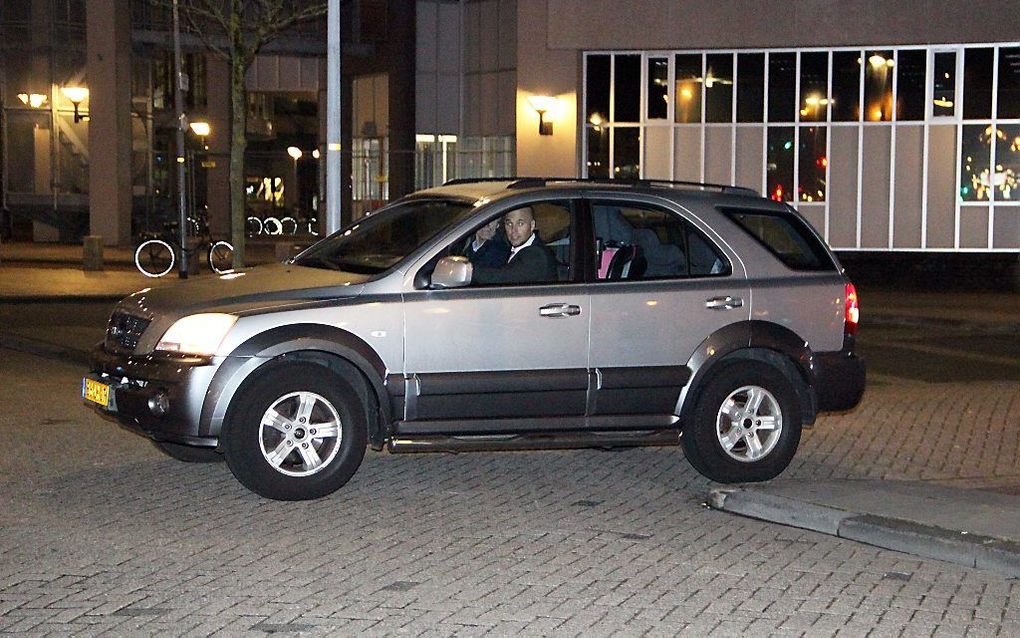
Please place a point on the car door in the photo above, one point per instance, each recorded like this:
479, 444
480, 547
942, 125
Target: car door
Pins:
503, 357
650, 315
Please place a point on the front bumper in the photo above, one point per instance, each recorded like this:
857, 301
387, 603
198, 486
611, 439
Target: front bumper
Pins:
840, 378
157, 395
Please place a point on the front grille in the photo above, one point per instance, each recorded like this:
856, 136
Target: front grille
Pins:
124, 331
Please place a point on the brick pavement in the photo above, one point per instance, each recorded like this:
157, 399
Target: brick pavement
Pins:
102, 535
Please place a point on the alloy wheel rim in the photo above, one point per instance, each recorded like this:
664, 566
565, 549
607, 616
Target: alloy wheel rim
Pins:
300, 434
749, 423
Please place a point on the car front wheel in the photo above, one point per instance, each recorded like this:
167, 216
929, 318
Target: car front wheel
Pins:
297, 433
745, 425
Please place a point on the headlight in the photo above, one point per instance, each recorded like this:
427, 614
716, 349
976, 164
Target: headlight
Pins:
197, 334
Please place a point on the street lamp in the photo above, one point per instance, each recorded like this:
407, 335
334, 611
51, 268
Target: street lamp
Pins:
296, 154
201, 129
76, 95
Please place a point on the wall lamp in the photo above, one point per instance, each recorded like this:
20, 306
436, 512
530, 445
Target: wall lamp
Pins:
35, 100
542, 105
76, 95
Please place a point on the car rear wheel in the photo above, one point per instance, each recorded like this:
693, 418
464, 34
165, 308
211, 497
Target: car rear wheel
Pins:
295, 433
745, 425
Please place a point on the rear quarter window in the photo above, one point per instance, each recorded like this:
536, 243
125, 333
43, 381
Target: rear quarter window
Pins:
786, 236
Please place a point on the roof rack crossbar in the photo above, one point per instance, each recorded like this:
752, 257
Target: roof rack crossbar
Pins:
532, 182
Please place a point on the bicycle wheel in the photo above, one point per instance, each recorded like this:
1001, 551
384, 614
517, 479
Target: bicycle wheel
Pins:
288, 225
253, 225
273, 226
154, 257
221, 257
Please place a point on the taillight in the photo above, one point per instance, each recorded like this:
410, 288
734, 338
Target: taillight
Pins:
852, 314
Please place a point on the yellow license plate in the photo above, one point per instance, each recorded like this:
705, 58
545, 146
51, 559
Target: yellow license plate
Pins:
96, 392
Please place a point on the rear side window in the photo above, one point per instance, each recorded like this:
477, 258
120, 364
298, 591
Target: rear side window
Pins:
787, 237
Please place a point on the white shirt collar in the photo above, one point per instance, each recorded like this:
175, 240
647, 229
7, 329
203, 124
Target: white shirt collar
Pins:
514, 251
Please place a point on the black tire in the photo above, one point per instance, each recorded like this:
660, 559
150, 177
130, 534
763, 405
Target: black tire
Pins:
189, 453
249, 444
221, 257
725, 414
154, 258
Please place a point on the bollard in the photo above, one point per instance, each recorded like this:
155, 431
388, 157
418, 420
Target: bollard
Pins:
92, 253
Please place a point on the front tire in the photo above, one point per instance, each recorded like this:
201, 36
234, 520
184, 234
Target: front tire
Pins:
221, 257
745, 426
154, 258
295, 433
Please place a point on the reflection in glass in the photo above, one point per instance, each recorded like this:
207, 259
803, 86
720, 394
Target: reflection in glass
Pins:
627, 153
779, 163
750, 86
658, 88
944, 85
627, 88
977, 83
1007, 162
1009, 83
974, 162
719, 87
598, 151
596, 88
782, 86
814, 85
688, 88
846, 86
878, 81
911, 70
812, 164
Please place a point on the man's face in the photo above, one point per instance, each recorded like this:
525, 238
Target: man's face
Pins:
488, 231
519, 224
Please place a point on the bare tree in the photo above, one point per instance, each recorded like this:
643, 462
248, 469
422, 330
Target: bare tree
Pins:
236, 30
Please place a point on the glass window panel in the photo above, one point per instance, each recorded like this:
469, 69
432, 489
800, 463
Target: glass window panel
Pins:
782, 86
779, 163
846, 86
598, 151
974, 162
688, 88
750, 86
658, 88
1009, 83
627, 88
1007, 162
813, 164
814, 85
878, 81
977, 83
944, 85
597, 88
719, 87
627, 153
911, 71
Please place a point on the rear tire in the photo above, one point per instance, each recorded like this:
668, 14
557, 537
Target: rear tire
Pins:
188, 453
745, 426
154, 258
221, 257
297, 432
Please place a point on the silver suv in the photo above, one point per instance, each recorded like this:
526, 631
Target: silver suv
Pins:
499, 315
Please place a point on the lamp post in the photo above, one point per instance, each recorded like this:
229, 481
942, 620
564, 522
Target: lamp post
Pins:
295, 154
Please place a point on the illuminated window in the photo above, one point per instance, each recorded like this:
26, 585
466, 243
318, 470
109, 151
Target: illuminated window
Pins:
1007, 162
814, 86
779, 163
878, 85
812, 164
975, 155
944, 85
688, 89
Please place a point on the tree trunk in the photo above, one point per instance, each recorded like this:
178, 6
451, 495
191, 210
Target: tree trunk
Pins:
238, 144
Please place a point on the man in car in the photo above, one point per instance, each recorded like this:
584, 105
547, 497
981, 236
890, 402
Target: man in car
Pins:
530, 259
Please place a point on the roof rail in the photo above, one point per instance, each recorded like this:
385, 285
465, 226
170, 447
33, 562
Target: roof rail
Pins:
533, 182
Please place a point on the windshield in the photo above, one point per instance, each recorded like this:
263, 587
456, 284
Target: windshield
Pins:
377, 242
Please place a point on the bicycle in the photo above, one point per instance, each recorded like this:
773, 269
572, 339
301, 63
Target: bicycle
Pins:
157, 253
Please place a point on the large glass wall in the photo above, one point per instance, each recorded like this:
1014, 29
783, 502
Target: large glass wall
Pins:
891, 148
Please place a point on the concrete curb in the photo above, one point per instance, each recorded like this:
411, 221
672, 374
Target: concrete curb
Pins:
972, 550
44, 349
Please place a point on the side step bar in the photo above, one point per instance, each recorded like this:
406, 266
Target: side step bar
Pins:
557, 441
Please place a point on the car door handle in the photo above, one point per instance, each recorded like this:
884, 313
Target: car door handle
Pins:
723, 303
559, 310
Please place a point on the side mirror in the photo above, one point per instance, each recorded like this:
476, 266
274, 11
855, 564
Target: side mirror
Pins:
452, 272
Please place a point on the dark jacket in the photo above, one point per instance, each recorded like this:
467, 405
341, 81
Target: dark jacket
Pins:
533, 264
491, 254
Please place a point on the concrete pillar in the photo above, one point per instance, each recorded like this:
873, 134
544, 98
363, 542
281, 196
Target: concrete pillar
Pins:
218, 176
108, 69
